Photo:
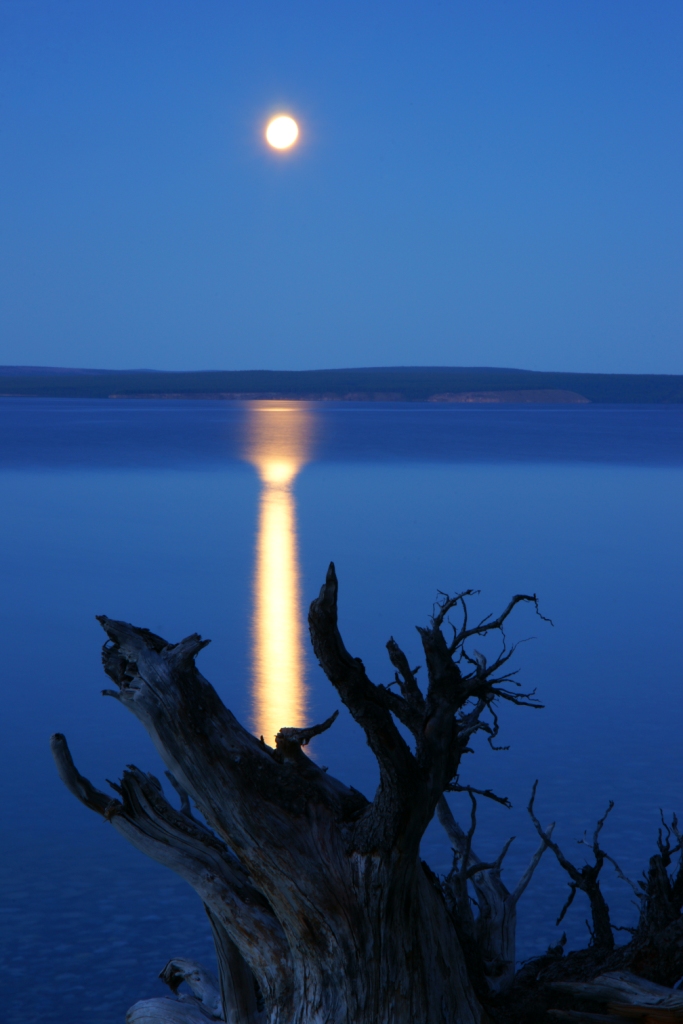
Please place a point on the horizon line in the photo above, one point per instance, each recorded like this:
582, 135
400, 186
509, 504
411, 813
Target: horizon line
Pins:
15, 369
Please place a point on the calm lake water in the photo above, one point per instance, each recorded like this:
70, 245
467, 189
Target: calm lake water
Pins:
222, 518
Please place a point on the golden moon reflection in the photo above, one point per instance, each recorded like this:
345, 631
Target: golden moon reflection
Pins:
282, 132
279, 445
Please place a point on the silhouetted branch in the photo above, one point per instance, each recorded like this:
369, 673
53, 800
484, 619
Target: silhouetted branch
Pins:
492, 932
304, 736
456, 787
585, 879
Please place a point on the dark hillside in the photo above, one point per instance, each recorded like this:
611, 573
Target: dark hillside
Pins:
410, 384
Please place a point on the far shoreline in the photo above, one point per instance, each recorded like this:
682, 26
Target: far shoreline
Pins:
540, 397
433, 384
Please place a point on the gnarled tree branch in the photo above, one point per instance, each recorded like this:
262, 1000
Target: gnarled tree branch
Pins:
492, 933
584, 879
441, 721
146, 819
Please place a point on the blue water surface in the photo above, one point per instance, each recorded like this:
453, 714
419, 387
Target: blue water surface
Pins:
147, 511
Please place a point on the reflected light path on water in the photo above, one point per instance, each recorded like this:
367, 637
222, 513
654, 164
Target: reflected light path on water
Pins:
279, 444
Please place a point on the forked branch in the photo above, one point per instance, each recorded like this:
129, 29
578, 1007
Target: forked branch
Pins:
457, 704
493, 931
145, 818
584, 879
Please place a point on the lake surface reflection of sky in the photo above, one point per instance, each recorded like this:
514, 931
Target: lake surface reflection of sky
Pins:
222, 518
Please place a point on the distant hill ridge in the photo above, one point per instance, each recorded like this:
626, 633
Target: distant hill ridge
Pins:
386, 383
48, 371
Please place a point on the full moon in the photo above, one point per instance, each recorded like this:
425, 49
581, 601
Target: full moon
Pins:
282, 132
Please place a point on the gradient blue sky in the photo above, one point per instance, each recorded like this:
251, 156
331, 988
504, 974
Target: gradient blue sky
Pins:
479, 183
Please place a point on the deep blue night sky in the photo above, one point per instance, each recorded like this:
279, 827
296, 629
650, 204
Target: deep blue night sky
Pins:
478, 183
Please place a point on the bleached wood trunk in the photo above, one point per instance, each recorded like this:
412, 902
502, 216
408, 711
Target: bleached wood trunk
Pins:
314, 893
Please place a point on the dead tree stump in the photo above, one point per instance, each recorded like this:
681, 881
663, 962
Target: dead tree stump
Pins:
321, 909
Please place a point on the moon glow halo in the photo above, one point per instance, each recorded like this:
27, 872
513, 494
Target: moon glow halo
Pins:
282, 132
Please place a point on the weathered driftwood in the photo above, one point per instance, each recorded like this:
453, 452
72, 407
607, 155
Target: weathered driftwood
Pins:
146, 819
621, 1015
204, 986
205, 1003
322, 911
166, 1011
582, 1017
652, 957
490, 936
627, 996
655, 950
624, 989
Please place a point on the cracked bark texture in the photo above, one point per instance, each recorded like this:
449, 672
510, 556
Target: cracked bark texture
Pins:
321, 909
